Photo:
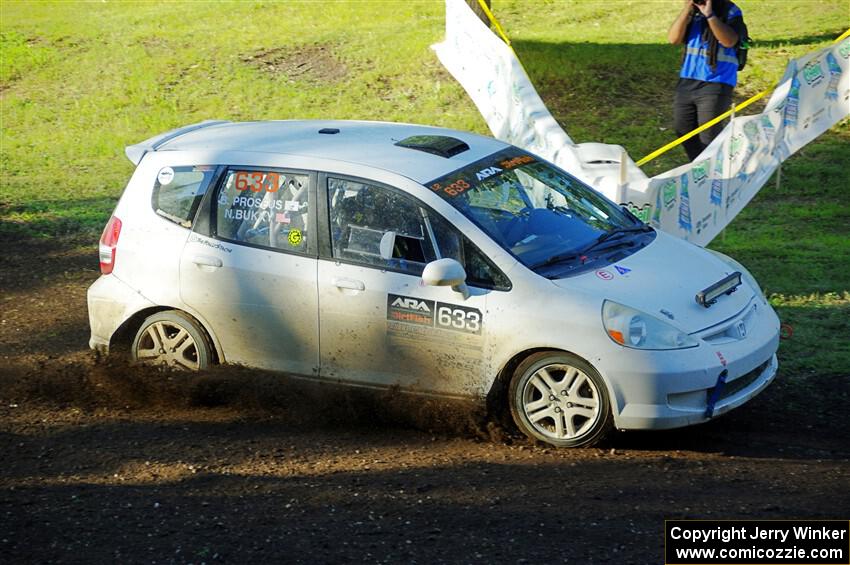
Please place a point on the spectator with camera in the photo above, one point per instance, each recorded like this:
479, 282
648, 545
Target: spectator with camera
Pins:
710, 30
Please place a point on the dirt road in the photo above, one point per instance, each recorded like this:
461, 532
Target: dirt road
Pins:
107, 464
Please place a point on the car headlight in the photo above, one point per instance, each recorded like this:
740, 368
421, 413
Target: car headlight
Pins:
736, 266
638, 330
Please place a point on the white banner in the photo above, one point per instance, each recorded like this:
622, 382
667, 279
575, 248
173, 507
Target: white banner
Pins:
695, 201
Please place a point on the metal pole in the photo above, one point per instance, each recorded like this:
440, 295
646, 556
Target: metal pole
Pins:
728, 166
621, 187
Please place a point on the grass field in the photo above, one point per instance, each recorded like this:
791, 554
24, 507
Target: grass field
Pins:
79, 81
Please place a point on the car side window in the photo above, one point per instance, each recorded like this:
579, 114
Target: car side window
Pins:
263, 207
480, 270
178, 191
361, 217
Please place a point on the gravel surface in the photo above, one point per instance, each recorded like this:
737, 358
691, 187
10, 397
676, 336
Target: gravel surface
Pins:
104, 463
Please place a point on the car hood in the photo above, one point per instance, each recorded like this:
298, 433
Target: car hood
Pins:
662, 280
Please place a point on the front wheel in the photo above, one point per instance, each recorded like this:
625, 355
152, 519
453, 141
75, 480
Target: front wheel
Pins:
174, 340
560, 399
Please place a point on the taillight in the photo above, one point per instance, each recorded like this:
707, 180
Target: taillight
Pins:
108, 243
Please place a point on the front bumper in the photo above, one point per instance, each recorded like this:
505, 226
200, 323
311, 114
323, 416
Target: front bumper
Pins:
671, 389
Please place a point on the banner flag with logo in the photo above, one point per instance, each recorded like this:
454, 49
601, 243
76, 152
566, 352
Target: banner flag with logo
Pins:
695, 201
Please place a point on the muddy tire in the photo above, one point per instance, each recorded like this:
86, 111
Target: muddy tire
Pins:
560, 399
174, 340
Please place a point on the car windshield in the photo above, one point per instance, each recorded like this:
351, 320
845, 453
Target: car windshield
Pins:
546, 218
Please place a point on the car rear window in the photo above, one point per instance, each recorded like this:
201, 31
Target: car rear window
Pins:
178, 192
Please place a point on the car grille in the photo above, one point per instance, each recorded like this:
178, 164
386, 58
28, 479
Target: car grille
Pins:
730, 330
739, 384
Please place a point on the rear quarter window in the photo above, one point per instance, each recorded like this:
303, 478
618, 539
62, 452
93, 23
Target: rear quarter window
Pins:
178, 191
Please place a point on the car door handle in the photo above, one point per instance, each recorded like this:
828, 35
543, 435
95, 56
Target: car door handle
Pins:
207, 261
349, 284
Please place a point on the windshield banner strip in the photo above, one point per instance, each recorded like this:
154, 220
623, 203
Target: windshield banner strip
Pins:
456, 183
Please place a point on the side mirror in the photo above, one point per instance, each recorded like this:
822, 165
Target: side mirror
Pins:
446, 272
387, 245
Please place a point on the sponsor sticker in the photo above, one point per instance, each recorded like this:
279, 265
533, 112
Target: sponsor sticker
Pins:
640, 212
420, 312
295, 238
684, 205
410, 310
622, 270
469, 177
165, 176
700, 171
516, 161
215, 245
668, 193
604, 275
844, 49
813, 72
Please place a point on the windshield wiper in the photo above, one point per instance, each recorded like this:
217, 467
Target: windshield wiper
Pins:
581, 253
619, 232
557, 258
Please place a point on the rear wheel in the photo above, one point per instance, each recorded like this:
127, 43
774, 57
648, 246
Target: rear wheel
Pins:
560, 399
174, 340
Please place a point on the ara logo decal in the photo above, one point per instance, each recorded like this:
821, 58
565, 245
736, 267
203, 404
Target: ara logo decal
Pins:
411, 304
488, 172
622, 270
604, 275
410, 310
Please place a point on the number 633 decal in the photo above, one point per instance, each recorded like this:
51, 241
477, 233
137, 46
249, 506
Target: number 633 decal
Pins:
458, 318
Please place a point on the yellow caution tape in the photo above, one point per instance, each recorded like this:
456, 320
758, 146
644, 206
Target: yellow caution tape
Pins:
495, 23
685, 137
710, 123
700, 129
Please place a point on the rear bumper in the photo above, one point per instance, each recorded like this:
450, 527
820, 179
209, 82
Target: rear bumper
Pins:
111, 302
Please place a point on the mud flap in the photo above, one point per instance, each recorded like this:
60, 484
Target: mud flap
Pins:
716, 392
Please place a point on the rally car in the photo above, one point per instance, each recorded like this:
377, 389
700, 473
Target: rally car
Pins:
429, 260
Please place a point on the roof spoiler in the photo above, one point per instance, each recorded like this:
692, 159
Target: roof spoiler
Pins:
137, 151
